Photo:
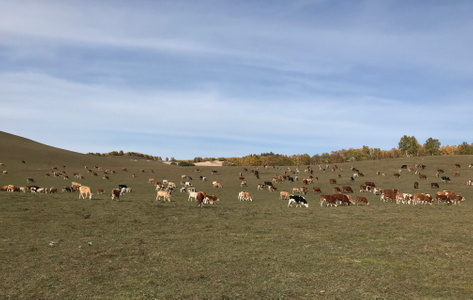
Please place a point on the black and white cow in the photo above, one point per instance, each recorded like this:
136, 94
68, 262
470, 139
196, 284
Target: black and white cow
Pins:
298, 200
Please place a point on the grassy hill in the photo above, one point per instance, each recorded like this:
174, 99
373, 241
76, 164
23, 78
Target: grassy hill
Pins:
55, 246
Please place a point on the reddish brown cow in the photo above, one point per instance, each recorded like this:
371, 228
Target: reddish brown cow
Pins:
362, 199
422, 176
347, 189
344, 199
333, 181
317, 190
329, 199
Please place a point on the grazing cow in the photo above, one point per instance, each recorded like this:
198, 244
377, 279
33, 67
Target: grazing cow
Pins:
296, 190
445, 179
442, 198
421, 198
370, 184
457, 199
469, 182
260, 187
115, 194
303, 190
336, 190
210, 199
404, 167
456, 173
422, 176
397, 175
151, 180
343, 199
283, 195
362, 199
347, 189
243, 183
100, 191
84, 192
244, 196
51, 190
377, 191
434, 185
163, 194
66, 189
329, 199
192, 195
200, 198
389, 194
272, 188
416, 185
75, 186
217, 185
333, 181
298, 200
317, 190
446, 196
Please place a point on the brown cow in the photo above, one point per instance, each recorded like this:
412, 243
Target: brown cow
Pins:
362, 199
211, 199
329, 199
116, 194
344, 199
347, 189
333, 181
317, 190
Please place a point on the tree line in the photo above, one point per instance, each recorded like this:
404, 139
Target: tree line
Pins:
408, 146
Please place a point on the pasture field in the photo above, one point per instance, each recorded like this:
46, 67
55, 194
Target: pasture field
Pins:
56, 246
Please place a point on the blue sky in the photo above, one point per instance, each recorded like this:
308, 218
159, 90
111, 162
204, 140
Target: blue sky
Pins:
230, 78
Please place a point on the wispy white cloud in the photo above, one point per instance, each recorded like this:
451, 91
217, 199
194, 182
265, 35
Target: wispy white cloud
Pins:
293, 76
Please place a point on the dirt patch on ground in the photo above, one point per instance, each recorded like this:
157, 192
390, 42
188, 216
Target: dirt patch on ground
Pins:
215, 163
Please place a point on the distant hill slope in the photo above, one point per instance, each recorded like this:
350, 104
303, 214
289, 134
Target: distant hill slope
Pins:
16, 148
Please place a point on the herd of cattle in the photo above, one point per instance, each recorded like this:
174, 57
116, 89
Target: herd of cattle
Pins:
339, 196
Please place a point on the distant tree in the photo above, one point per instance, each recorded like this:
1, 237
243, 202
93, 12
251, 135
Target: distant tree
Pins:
465, 149
325, 158
432, 146
409, 144
448, 150
337, 157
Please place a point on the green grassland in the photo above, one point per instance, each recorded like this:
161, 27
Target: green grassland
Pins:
56, 246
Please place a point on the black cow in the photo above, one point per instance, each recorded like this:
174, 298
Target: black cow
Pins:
404, 167
445, 179
298, 200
